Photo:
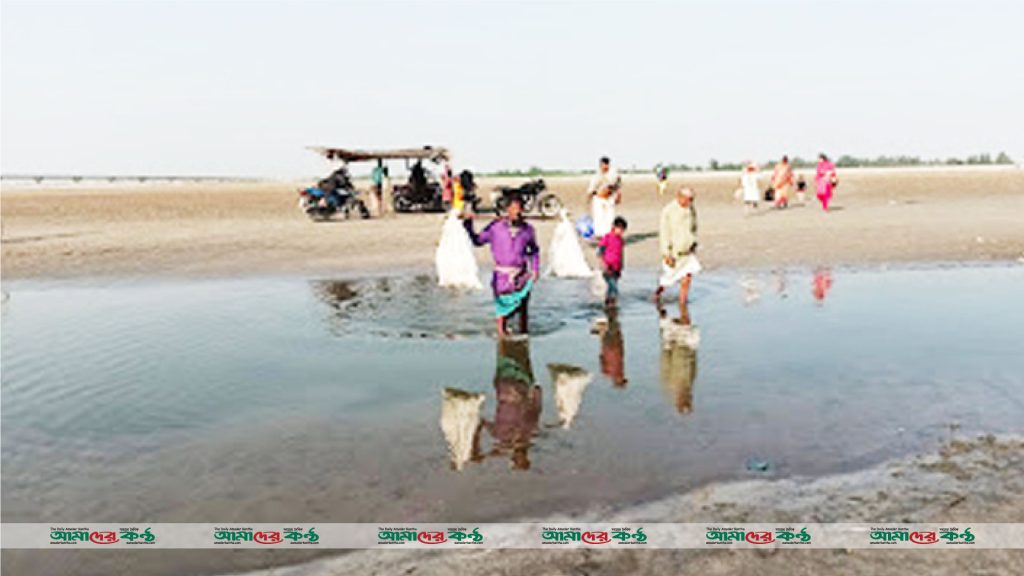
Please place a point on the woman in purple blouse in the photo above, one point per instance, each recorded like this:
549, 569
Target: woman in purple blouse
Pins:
516, 263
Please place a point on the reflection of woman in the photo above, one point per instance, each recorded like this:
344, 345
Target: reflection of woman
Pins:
613, 351
517, 414
822, 284
679, 341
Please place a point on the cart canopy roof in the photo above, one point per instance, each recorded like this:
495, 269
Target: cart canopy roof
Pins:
434, 153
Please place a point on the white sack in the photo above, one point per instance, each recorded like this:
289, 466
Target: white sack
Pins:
567, 260
455, 261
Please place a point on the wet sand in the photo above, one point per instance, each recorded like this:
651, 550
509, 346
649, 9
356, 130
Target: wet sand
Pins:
880, 216
979, 479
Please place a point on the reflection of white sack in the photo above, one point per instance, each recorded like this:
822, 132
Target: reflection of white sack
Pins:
686, 266
460, 422
675, 333
567, 259
570, 382
603, 213
751, 289
455, 261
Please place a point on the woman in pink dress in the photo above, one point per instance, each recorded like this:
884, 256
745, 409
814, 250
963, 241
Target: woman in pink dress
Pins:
826, 180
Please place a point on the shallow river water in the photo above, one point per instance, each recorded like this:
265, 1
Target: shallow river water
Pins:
274, 399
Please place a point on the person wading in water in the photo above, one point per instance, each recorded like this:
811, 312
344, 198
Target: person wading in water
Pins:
516, 263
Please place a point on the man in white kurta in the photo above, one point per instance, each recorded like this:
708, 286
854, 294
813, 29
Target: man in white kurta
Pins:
604, 195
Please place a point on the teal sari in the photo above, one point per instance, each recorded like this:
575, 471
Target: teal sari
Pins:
506, 304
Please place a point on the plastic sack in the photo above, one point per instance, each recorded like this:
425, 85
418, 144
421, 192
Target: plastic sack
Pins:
567, 260
460, 422
455, 261
570, 382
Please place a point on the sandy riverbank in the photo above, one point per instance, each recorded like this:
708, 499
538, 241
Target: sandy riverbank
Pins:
241, 229
975, 480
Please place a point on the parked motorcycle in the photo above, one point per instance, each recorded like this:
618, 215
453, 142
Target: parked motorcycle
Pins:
332, 195
534, 196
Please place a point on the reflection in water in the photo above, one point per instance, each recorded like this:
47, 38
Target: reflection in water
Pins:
460, 422
613, 350
780, 284
679, 343
821, 284
569, 382
751, 289
415, 307
517, 413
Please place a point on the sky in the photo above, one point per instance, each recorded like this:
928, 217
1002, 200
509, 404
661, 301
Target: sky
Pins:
242, 87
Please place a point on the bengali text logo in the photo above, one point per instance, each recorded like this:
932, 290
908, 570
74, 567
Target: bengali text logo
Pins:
297, 536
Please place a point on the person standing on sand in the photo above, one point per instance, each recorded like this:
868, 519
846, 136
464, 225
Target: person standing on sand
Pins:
377, 193
801, 189
782, 182
516, 263
604, 195
751, 194
677, 238
825, 180
447, 185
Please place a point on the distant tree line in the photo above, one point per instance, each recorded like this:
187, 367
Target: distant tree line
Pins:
847, 161
844, 161
536, 171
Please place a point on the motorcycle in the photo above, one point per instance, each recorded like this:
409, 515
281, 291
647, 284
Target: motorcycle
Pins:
533, 195
332, 195
422, 195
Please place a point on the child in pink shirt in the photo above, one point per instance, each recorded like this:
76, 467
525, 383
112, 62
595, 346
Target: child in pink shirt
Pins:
610, 251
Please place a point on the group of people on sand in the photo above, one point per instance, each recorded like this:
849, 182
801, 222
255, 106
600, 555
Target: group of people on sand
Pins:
516, 253
783, 182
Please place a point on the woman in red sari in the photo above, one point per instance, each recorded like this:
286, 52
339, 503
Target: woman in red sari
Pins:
826, 180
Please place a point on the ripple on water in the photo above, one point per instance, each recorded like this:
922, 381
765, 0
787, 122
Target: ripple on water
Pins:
416, 307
